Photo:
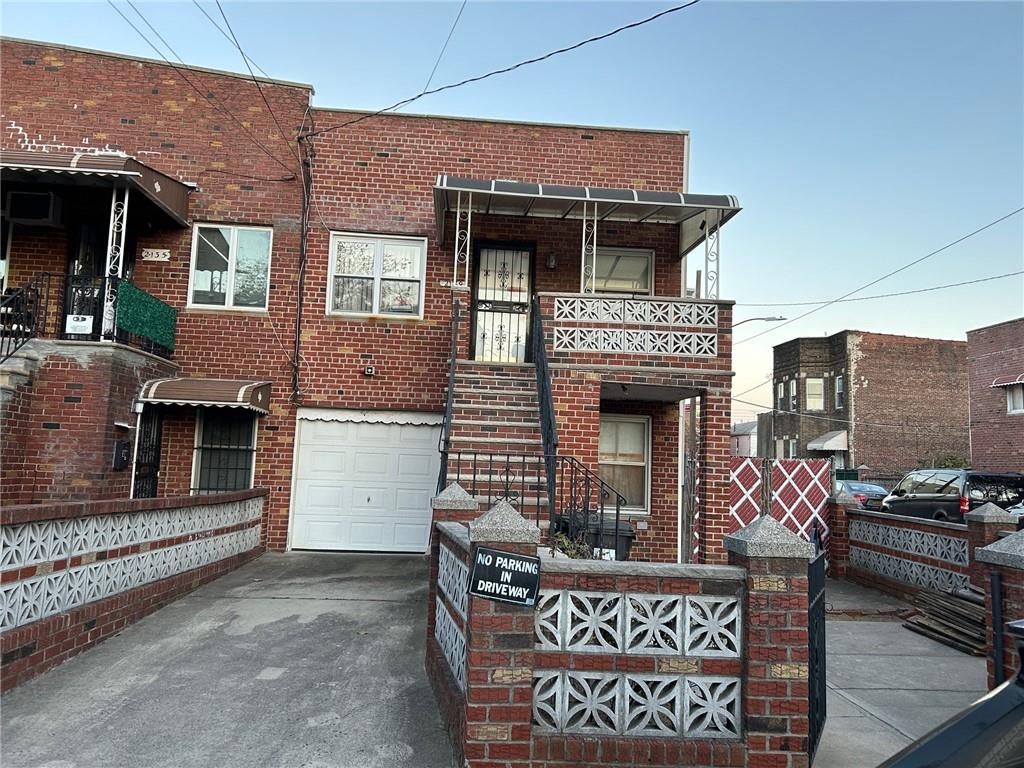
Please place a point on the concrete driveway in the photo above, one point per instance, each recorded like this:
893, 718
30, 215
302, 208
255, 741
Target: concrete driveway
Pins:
887, 686
293, 661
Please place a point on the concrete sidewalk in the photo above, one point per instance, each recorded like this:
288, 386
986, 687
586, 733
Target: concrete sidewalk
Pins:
312, 660
887, 685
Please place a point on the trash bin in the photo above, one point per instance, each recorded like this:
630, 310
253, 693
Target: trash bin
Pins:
601, 536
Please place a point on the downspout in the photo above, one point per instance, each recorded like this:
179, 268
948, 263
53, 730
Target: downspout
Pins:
306, 170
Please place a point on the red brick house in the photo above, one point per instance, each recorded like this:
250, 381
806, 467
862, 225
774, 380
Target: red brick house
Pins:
193, 326
995, 367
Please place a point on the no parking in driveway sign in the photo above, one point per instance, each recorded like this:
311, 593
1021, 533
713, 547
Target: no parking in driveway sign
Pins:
505, 576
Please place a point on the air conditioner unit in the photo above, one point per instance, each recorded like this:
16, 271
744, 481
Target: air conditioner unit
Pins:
37, 209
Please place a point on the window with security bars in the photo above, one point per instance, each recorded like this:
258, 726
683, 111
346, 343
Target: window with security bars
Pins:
376, 275
225, 450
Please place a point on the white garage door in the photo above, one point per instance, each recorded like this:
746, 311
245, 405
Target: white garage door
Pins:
364, 484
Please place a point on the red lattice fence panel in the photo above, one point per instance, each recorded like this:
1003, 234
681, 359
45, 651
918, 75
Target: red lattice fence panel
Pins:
800, 492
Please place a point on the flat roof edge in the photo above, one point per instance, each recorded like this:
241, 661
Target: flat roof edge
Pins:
160, 62
502, 121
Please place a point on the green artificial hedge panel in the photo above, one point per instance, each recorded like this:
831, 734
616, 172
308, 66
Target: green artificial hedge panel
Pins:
145, 315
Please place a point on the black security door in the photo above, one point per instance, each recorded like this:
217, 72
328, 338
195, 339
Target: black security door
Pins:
502, 290
147, 454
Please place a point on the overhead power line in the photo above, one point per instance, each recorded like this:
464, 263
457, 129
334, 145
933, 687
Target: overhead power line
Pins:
882, 295
851, 421
227, 37
256, 82
445, 46
207, 95
883, 277
506, 70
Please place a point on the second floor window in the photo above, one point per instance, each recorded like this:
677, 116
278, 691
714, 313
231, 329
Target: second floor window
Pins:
814, 392
792, 394
230, 267
372, 275
840, 393
624, 270
781, 395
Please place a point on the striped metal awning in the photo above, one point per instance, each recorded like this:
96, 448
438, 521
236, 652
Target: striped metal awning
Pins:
168, 194
693, 213
1007, 381
216, 393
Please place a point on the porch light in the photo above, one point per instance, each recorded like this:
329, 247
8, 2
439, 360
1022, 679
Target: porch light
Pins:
552, 260
137, 406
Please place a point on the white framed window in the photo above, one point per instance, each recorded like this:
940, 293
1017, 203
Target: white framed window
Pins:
224, 457
792, 394
840, 400
624, 458
792, 449
781, 395
1015, 398
814, 394
376, 275
780, 448
230, 267
624, 270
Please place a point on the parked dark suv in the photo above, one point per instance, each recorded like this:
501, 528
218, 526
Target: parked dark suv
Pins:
949, 494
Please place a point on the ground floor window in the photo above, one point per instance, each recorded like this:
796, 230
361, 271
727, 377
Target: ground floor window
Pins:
624, 458
225, 450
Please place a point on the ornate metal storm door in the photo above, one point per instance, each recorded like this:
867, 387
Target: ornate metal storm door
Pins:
501, 302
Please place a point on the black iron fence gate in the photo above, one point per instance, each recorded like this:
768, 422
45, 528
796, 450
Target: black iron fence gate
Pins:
816, 643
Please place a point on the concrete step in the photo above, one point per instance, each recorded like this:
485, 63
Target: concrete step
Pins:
497, 423
497, 440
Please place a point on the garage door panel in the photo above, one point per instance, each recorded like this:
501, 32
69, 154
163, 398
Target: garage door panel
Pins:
364, 486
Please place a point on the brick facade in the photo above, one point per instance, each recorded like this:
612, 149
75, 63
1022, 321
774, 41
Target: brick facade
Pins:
905, 396
373, 177
993, 352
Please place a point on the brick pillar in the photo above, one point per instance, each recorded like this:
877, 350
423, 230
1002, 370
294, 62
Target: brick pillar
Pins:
499, 654
983, 527
776, 697
715, 417
839, 536
1005, 556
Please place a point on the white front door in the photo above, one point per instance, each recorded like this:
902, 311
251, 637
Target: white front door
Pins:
364, 485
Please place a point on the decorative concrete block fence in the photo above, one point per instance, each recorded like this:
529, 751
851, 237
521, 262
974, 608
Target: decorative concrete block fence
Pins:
72, 574
622, 663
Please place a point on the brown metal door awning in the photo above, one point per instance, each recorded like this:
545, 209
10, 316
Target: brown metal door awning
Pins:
217, 393
166, 193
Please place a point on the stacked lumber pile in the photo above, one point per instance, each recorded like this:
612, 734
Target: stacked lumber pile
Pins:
956, 619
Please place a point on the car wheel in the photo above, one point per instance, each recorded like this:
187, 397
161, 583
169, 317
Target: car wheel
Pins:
940, 516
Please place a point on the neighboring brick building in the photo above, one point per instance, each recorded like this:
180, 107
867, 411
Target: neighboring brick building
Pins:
887, 403
995, 365
308, 347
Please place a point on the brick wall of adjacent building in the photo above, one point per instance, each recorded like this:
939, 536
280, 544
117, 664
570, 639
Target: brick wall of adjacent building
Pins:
905, 399
996, 436
59, 429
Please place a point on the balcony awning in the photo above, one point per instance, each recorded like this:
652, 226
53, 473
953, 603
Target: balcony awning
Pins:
830, 441
215, 393
1007, 381
692, 213
168, 194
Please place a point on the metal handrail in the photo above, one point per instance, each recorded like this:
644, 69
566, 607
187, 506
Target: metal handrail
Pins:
548, 423
445, 439
23, 314
582, 504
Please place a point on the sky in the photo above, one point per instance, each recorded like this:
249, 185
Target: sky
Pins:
857, 136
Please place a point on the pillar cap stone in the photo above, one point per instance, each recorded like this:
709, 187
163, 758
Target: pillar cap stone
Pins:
454, 497
990, 513
767, 537
503, 523
1007, 551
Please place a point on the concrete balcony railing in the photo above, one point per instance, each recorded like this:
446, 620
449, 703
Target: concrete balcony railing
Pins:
629, 330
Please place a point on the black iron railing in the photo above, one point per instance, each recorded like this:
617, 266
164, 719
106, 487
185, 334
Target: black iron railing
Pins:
445, 439
579, 510
23, 314
548, 424
817, 689
140, 320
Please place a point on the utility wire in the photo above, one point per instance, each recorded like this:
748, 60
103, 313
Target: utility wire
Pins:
883, 277
882, 295
851, 421
445, 46
505, 70
256, 82
208, 95
228, 38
